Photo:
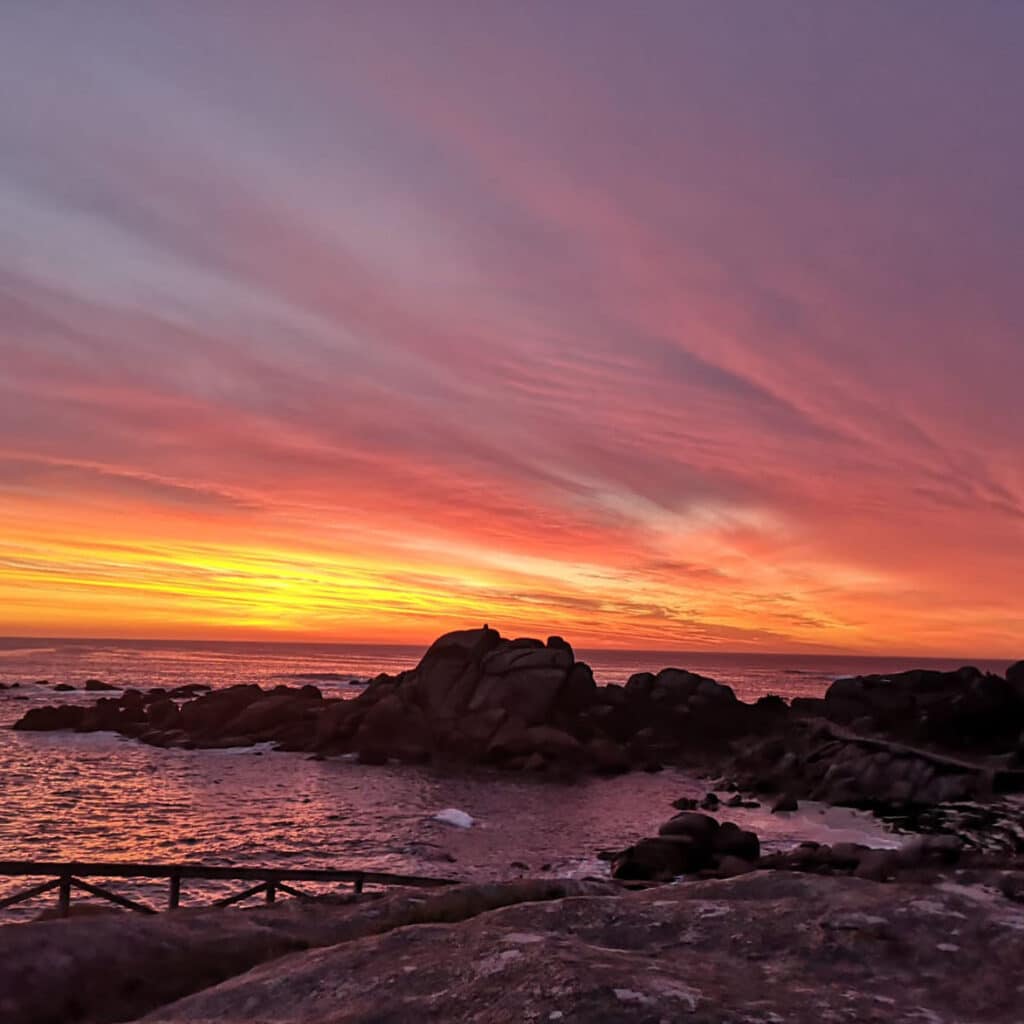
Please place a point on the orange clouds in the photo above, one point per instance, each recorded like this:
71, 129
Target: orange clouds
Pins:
631, 329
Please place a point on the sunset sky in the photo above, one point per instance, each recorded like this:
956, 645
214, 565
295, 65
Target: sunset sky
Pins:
672, 324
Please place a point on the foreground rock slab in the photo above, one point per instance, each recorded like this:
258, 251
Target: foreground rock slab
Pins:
766, 947
116, 966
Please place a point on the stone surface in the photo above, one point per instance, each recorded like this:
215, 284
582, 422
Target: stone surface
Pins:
527, 704
826, 763
762, 947
965, 710
117, 966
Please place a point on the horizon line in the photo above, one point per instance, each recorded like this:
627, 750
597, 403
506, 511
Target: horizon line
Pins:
834, 653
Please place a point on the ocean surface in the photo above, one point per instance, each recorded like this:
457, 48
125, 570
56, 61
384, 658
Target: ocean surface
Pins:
101, 797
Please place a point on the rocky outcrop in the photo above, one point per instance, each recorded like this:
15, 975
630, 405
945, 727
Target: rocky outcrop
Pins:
966, 710
475, 697
94, 685
527, 704
116, 966
687, 844
239, 715
827, 763
768, 946
1015, 677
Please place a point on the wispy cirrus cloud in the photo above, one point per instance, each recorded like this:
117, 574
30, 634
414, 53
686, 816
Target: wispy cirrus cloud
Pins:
684, 326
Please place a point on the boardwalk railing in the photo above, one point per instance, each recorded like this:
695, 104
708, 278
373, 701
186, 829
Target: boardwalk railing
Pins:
65, 876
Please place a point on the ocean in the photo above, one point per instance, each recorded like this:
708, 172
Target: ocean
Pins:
173, 662
102, 797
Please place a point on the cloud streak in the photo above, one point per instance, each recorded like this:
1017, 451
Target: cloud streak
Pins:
689, 327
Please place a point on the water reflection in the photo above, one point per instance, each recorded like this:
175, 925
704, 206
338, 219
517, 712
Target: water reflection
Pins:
98, 797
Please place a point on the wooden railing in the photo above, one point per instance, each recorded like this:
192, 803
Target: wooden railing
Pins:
66, 876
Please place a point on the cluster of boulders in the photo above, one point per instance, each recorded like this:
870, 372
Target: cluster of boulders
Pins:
699, 846
817, 761
526, 704
187, 716
474, 698
966, 710
689, 843
878, 865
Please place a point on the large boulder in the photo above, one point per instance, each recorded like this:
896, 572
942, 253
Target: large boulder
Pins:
393, 728
660, 859
268, 714
49, 718
702, 828
446, 678
607, 756
207, 716
732, 841
529, 691
962, 710
163, 714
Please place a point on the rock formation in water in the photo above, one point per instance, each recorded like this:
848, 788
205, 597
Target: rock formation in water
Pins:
966, 710
474, 697
915, 738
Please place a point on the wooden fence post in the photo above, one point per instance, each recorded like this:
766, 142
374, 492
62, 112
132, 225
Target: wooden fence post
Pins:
64, 895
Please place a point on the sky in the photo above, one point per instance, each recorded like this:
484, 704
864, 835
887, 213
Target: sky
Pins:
673, 325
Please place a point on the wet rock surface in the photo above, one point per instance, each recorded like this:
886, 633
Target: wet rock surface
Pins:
768, 946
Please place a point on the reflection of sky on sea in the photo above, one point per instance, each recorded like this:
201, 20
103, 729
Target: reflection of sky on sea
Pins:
98, 797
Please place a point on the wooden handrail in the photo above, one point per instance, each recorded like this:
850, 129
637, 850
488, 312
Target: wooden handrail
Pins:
269, 880
122, 869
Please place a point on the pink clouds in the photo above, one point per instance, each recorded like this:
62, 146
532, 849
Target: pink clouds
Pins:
504, 321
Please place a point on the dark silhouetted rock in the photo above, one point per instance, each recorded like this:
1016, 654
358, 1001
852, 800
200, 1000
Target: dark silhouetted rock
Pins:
700, 827
732, 841
965, 710
48, 718
163, 714
660, 859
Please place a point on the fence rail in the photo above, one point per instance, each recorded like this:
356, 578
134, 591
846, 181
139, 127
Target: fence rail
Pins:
64, 876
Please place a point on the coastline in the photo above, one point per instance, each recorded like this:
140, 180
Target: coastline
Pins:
749, 783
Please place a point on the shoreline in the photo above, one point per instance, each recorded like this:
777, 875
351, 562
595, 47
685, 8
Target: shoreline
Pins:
705, 914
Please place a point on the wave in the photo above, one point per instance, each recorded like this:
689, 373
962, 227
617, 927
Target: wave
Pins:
21, 652
324, 677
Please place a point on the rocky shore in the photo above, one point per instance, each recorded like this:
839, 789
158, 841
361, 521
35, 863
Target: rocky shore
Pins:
771, 946
886, 743
930, 930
